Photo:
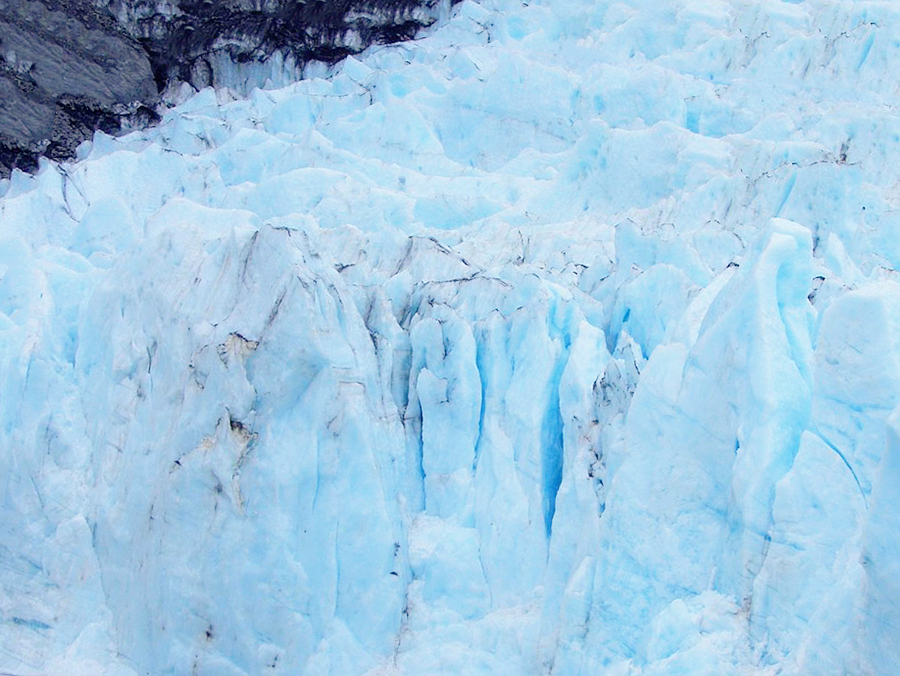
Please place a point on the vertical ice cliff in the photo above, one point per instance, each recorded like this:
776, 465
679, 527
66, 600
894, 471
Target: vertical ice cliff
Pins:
563, 340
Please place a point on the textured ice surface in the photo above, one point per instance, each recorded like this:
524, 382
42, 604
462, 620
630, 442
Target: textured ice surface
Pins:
564, 340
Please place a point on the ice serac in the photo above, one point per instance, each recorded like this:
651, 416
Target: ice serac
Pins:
712, 427
563, 340
262, 353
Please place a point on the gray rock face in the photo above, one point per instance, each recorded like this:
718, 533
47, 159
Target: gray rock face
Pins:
70, 67
64, 72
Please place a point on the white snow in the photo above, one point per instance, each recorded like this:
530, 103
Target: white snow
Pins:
564, 339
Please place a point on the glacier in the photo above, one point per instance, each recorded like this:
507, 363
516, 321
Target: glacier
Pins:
563, 339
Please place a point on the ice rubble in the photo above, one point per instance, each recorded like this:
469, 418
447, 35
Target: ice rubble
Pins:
563, 340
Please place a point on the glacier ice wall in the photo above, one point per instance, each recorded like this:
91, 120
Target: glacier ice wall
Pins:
563, 340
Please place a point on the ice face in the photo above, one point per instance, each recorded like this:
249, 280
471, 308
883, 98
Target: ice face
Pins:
563, 341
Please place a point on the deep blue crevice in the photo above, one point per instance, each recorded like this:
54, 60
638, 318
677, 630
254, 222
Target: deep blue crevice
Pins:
846, 463
551, 455
788, 189
482, 380
552, 444
37, 625
419, 458
867, 47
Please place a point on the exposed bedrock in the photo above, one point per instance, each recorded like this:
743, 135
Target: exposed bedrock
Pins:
65, 70
71, 67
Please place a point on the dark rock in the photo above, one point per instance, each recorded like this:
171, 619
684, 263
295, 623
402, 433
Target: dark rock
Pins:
71, 67
65, 71
185, 42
